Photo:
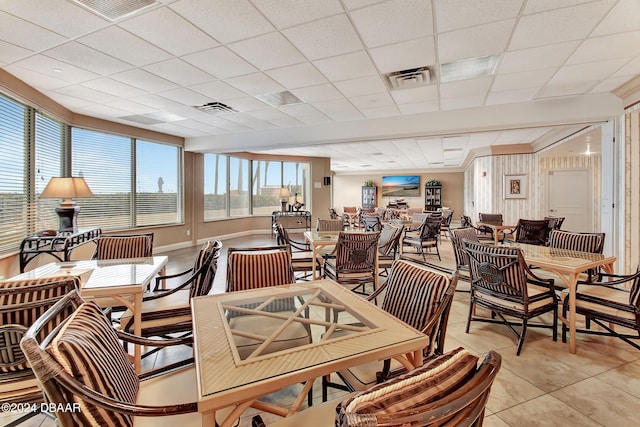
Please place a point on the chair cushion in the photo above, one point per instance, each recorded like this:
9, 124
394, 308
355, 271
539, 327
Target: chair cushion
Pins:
605, 294
533, 292
294, 335
87, 347
175, 307
323, 415
430, 382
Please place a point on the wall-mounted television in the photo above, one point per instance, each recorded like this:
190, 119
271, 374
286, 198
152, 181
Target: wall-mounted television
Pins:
401, 186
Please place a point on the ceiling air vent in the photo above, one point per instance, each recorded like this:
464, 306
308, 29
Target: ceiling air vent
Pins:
115, 9
216, 108
408, 78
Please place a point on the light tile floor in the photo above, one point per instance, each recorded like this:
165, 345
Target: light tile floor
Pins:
544, 386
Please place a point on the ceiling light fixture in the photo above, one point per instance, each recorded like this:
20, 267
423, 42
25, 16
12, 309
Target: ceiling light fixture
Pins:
469, 68
279, 99
588, 152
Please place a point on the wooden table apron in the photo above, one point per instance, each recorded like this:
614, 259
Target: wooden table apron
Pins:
226, 381
567, 265
123, 280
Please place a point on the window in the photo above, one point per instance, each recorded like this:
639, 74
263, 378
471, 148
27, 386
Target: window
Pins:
215, 186
50, 140
267, 182
296, 177
14, 188
239, 196
158, 200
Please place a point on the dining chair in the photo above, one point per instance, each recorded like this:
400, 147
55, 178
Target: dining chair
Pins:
447, 216
168, 311
388, 247
354, 261
419, 294
532, 232
371, 222
83, 366
302, 259
21, 303
325, 224
450, 390
579, 241
614, 300
457, 236
425, 237
555, 222
502, 282
112, 246
493, 219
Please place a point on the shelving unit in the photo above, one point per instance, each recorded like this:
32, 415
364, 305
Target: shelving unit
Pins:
432, 197
369, 197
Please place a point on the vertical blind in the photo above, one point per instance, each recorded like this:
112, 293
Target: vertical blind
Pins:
14, 190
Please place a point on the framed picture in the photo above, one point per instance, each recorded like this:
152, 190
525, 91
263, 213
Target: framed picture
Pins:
515, 186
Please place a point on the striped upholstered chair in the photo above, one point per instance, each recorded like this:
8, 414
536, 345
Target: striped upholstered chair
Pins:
577, 241
419, 294
457, 236
388, 247
449, 390
124, 246
301, 254
502, 282
261, 267
83, 365
532, 231
354, 261
21, 303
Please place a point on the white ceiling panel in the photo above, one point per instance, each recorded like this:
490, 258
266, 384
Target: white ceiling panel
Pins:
393, 21
511, 96
114, 87
280, 53
255, 84
25, 34
324, 38
185, 96
345, 67
296, 76
405, 55
144, 80
415, 95
615, 46
85, 57
287, 13
474, 42
361, 86
625, 16
457, 14
220, 62
318, 93
537, 58
523, 80
54, 68
178, 71
217, 90
12, 53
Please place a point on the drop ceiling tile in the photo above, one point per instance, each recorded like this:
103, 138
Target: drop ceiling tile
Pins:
296, 76
376, 100
185, 96
220, 62
318, 93
374, 113
131, 106
217, 90
25, 34
160, 103
179, 72
175, 129
70, 102
245, 103
630, 69
299, 110
144, 80
182, 39
316, 118
255, 84
268, 51
357, 4
339, 110
419, 107
461, 102
288, 13
465, 88
113, 87
523, 80
199, 126
536, 6
393, 21
40, 81
537, 58
87, 58
11, 53
511, 96
625, 16
270, 114
42, 64
347, 67
457, 14
549, 27
401, 56
607, 47
587, 72
482, 40
415, 95
226, 21
81, 92
324, 38
123, 45
101, 110
558, 89
361, 86
608, 85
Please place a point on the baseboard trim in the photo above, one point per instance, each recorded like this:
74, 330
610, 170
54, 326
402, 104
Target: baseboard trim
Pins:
189, 244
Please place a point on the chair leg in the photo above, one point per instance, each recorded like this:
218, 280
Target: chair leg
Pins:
471, 308
564, 325
522, 334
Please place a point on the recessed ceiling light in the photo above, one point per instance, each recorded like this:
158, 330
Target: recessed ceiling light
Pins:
469, 68
280, 98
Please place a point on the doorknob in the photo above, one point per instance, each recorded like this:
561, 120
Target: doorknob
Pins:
552, 210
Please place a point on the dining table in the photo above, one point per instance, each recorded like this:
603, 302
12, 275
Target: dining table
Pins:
346, 329
318, 240
568, 266
114, 282
496, 229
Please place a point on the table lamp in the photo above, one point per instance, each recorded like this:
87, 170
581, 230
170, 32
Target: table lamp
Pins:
284, 194
67, 188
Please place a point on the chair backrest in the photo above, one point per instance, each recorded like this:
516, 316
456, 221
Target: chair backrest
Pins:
450, 390
490, 218
498, 271
419, 216
22, 302
260, 267
111, 246
371, 223
420, 295
85, 352
457, 236
465, 221
333, 214
532, 231
555, 222
350, 209
389, 239
447, 215
204, 268
577, 241
430, 228
356, 252
324, 224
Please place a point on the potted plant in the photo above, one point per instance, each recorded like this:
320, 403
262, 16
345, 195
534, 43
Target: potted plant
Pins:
433, 182
369, 183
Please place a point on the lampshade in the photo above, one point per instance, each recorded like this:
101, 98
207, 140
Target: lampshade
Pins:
66, 188
284, 192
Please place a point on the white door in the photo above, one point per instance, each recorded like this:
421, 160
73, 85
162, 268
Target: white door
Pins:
570, 197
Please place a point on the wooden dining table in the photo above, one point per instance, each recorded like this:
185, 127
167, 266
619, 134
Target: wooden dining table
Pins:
567, 265
496, 229
109, 282
347, 331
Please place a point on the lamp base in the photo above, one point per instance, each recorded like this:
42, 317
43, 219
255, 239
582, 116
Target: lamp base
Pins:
284, 205
68, 218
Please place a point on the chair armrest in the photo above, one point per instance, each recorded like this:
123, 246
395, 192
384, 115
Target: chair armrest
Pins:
300, 246
532, 278
170, 276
